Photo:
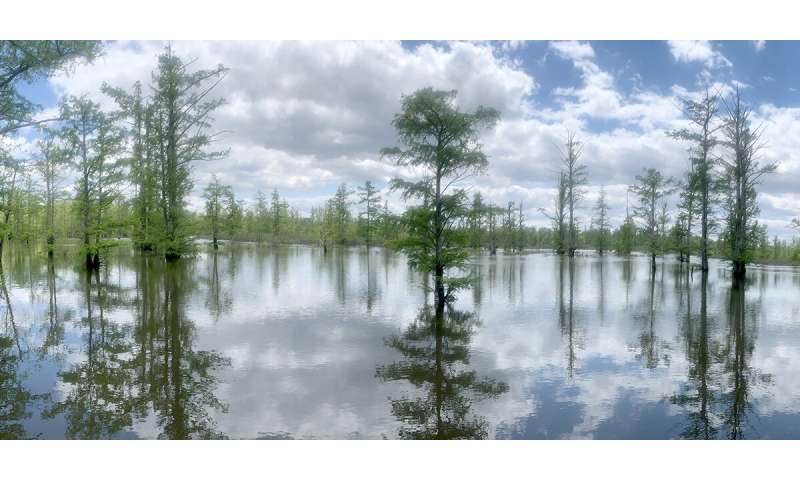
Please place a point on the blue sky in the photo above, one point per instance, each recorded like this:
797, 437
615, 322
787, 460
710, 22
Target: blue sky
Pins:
306, 116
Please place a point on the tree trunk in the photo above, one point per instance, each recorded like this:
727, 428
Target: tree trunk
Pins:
738, 269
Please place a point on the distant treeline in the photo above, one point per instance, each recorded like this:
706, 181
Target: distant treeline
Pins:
343, 221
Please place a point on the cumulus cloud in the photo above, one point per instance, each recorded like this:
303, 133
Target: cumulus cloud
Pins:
687, 51
304, 114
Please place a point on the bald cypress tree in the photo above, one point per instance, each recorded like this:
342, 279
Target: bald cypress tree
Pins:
183, 107
559, 214
743, 172
651, 189
574, 182
601, 222
699, 195
441, 142
53, 157
96, 144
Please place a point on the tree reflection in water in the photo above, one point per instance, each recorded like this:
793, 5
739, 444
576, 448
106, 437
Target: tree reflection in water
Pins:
151, 366
14, 397
701, 349
436, 351
717, 394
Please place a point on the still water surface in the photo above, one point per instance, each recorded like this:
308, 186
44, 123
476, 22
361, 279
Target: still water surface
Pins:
286, 342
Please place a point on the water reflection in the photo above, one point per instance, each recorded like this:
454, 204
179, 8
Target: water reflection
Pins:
180, 379
14, 397
720, 377
701, 351
283, 342
436, 351
131, 371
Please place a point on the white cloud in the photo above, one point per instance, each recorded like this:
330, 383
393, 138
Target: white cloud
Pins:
687, 51
759, 45
304, 115
573, 50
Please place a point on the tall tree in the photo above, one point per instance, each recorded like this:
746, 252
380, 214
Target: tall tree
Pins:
626, 236
142, 131
24, 61
743, 172
96, 144
215, 194
276, 211
370, 200
601, 221
341, 213
53, 156
9, 174
262, 215
441, 142
509, 228
184, 108
700, 185
520, 233
652, 188
559, 214
575, 180
476, 220
492, 213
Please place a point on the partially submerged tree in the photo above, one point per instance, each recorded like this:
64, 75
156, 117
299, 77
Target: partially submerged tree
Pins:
143, 131
215, 195
95, 144
476, 221
743, 172
626, 236
509, 228
440, 142
559, 214
340, 211
700, 185
9, 173
575, 180
601, 222
183, 106
53, 156
492, 214
370, 200
651, 189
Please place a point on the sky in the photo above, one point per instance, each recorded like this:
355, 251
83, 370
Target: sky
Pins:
304, 117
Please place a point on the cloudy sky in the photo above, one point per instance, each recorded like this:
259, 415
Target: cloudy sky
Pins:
304, 117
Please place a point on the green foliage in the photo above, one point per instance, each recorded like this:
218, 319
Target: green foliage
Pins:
441, 142
651, 189
370, 201
601, 222
96, 143
182, 112
742, 173
28, 61
626, 236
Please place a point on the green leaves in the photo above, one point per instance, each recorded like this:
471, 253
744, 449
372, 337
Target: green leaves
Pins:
440, 148
27, 61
